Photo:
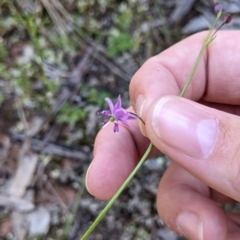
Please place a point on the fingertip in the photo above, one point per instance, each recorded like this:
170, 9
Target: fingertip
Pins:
190, 225
184, 205
97, 183
88, 187
199, 225
193, 216
102, 178
115, 156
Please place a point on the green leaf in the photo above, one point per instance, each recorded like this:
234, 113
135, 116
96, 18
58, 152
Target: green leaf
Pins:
119, 43
124, 19
70, 115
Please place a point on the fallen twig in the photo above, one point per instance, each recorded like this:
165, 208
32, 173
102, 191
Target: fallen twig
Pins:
54, 149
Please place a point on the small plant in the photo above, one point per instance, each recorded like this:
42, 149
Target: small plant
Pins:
123, 19
119, 42
70, 115
117, 114
96, 97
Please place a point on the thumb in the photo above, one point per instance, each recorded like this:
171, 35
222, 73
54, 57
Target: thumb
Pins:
203, 140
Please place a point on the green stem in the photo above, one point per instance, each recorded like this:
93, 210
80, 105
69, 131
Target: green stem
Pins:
117, 194
204, 46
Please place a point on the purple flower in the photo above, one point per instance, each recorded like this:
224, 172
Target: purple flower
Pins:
116, 114
217, 7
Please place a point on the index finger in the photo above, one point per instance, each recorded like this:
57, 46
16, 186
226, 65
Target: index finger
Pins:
215, 80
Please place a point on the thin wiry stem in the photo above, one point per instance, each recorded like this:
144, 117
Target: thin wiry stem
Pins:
117, 194
207, 41
137, 117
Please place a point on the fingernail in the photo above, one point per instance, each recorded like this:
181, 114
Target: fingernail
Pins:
139, 105
184, 126
86, 179
139, 110
190, 225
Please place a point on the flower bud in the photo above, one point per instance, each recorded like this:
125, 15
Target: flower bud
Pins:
217, 8
227, 19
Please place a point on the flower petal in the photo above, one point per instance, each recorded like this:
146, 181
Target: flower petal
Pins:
131, 116
110, 104
118, 104
121, 114
105, 121
125, 122
116, 127
105, 113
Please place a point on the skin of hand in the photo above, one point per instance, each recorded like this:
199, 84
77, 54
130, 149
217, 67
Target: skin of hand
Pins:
200, 133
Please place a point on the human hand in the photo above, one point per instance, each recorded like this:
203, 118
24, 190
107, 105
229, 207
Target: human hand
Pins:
200, 133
